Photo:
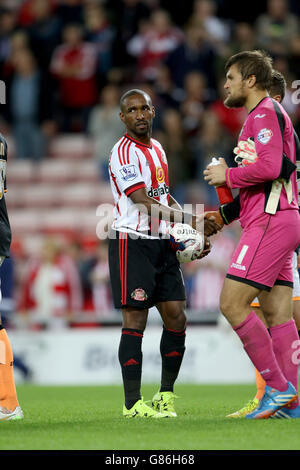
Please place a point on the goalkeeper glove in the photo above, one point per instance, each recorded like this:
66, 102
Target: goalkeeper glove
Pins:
245, 152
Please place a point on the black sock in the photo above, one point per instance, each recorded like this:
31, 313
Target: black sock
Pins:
130, 358
172, 350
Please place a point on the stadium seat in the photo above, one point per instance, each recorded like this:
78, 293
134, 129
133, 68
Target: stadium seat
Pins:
20, 171
73, 146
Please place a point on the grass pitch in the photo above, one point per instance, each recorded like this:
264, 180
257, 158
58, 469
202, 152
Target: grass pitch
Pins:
89, 418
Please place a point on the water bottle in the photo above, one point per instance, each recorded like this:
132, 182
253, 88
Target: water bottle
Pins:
223, 192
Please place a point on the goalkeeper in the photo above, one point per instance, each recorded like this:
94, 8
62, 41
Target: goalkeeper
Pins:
262, 263
246, 154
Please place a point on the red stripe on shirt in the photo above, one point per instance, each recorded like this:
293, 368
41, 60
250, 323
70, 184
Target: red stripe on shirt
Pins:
116, 186
127, 153
137, 142
114, 181
133, 188
154, 182
119, 149
139, 220
140, 166
124, 148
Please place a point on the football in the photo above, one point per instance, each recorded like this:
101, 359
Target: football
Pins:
186, 242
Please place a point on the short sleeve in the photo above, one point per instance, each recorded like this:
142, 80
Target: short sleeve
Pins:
125, 169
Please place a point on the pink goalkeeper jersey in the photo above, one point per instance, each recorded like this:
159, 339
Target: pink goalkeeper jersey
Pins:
254, 180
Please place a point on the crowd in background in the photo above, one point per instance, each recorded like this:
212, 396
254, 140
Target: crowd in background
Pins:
66, 63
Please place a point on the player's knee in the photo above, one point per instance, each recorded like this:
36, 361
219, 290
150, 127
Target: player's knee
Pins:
135, 319
176, 319
225, 306
231, 308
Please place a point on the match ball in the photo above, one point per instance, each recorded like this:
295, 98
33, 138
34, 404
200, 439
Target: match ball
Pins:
187, 243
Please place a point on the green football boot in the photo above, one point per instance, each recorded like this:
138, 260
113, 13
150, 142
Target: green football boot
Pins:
164, 403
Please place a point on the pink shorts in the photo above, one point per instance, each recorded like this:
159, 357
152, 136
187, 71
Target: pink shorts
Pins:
264, 254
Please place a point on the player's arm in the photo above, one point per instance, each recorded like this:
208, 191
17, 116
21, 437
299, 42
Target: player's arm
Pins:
174, 204
148, 204
226, 213
269, 149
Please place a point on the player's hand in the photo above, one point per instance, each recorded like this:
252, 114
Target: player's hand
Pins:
207, 248
216, 217
208, 226
245, 152
215, 175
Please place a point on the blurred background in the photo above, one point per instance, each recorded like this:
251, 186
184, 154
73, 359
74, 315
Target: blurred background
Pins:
65, 64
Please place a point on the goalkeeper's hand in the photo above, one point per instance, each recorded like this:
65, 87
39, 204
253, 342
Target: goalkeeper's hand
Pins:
245, 152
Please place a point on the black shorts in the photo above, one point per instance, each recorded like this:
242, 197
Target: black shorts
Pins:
143, 272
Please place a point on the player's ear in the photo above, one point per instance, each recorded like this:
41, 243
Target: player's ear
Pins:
122, 117
251, 81
153, 111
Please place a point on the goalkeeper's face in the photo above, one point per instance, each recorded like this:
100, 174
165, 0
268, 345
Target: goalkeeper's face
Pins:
137, 114
235, 88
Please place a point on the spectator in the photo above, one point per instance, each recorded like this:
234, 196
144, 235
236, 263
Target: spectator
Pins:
18, 40
105, 126
167, 93
194, 54
8, 24
52, 291
74, 65
44, 33
153, 45
100, 281
175, 144
127, 15
27, 106
212, 141
244, 38
194, 103
277, 27
70, 11
217, 29
26, 13
100, 32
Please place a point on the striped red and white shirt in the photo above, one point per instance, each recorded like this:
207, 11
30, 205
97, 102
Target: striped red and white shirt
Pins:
133, 165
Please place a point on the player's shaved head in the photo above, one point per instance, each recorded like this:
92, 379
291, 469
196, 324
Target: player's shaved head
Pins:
134, 91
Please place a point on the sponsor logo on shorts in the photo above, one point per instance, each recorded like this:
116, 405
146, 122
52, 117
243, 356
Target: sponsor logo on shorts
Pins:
264, 136
139, 294
238, 266
128, 173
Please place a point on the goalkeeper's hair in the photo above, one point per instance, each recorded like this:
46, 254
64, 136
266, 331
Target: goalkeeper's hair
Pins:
278, 85
257, 63
134, 91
